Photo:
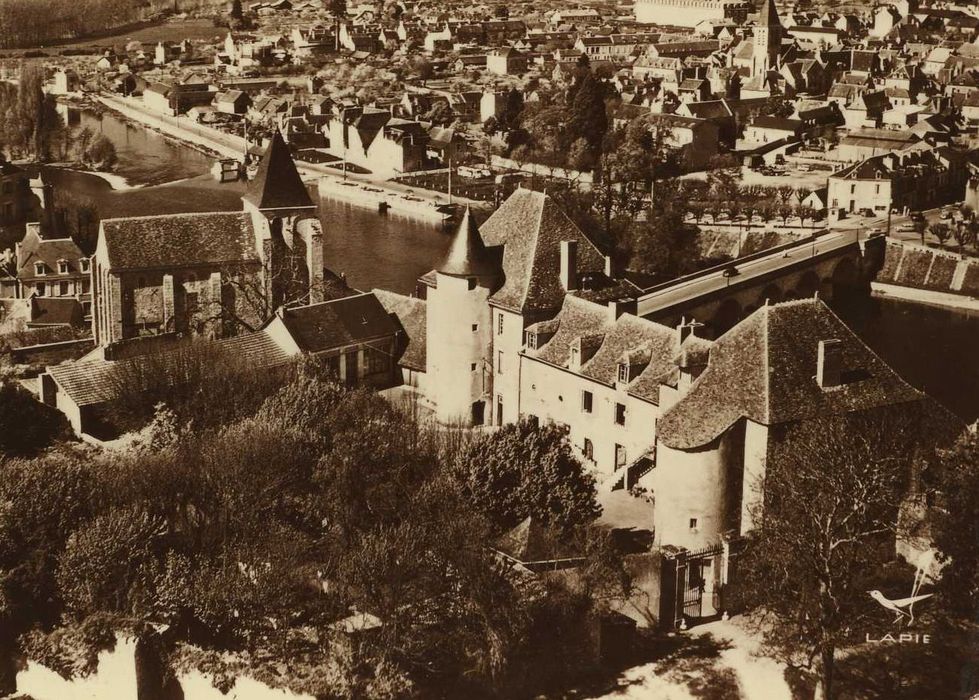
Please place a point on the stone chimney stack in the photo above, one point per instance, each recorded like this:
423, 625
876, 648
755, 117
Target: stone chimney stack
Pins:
569, 265
829, 363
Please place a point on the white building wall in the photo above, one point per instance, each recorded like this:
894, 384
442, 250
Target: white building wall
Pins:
691, 484
755, 464
457, 327
554, 394
508, 339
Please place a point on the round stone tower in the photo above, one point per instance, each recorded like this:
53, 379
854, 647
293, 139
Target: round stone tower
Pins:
459, 362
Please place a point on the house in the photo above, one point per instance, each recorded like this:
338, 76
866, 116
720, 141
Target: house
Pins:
506, 61
915, 178
52, 267
232, 102
65, 81
866, 143
766, 129
210, 273
373, 139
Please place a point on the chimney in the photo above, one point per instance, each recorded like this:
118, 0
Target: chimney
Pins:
47, 202
617, 307
569, 265
829, 363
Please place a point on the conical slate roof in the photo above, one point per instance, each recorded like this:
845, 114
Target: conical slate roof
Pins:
467, 254
277, 184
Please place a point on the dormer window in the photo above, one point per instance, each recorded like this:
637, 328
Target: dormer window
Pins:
84, 263
531, 340
623, 373
39, 268
62, 267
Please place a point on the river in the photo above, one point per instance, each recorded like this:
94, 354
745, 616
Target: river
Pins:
934, 349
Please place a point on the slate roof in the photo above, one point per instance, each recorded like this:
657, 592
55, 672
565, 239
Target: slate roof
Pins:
605, 343
532, 541
764, 369
100, 381
411, 313
178, 240
337, 323
468, 254
530, 226
277, 184
56, 311
33, 249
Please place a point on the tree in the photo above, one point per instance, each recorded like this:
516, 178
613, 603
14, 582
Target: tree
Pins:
26, 425
920, 226
512, 107
588, 115
822, 520
955, 527
236, 11
941, 232
422, 68
527, 471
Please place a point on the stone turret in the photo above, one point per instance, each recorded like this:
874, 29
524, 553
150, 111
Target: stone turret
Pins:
459, 328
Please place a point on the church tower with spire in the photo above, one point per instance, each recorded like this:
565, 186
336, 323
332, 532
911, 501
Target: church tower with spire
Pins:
767, 39
288, 234
459, 330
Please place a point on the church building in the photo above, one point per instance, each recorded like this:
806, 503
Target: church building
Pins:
214, 274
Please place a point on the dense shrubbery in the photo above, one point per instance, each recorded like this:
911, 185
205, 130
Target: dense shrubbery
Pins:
255, 534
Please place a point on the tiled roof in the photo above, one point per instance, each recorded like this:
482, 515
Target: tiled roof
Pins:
33, 249
178, 240
277, 184
764, 369
61, 311
101, 381
334, 324
412, 314
605, 343
530, 227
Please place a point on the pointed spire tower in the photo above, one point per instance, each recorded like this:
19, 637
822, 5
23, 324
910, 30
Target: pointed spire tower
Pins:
468, 256
286, 229
767, 38
459, 333
277, 185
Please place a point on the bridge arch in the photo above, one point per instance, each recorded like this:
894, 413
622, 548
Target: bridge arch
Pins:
726, 316
772, 294
845, 280
807, 286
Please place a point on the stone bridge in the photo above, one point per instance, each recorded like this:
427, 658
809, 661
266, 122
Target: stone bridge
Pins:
833, 264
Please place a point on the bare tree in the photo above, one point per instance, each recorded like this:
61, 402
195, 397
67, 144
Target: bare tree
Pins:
825, 516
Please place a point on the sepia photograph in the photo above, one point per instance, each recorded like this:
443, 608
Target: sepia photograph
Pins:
431, 350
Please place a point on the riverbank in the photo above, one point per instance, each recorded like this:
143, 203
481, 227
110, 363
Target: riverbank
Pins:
946, 300
399, 198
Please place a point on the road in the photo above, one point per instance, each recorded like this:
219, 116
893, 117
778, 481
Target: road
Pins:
900, 225
695, 286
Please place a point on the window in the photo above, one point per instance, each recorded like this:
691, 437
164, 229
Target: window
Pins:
588, 449
86, 286
499, 324
531, 340
63, 267
84, 263
619, 456
620, 414
41, 290
624, 373
472, 366
375, 361
472, 282
499, 362
586, 401
63, 289
475, 327
693, 524
38, 268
